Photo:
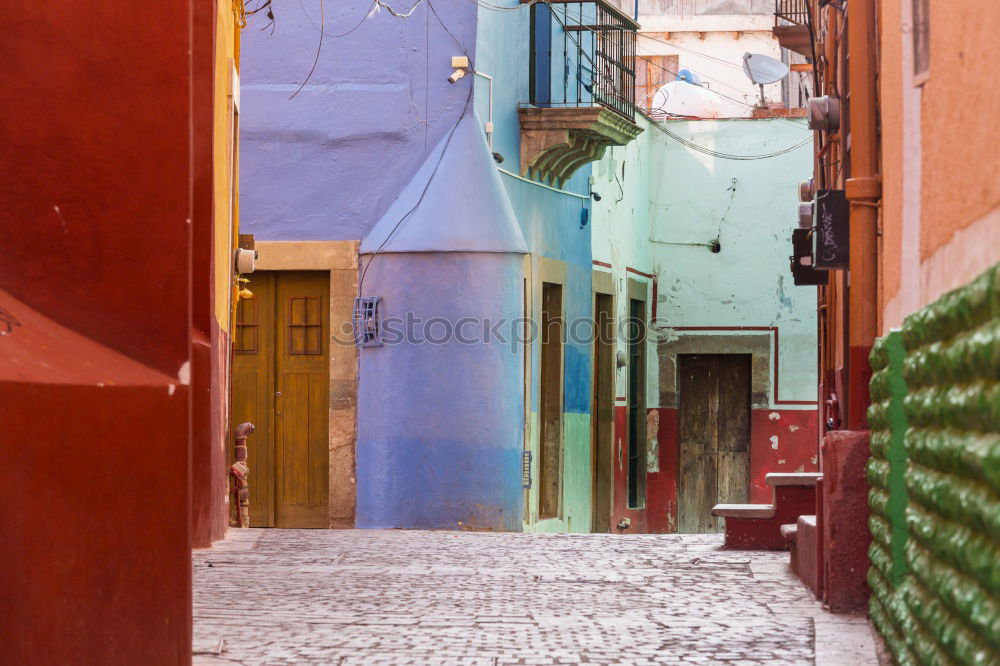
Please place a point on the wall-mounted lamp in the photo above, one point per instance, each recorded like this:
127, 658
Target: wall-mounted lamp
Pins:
461, 66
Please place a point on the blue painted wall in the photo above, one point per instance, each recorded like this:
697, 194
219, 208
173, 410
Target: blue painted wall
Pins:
326, 164
439, 429
556, 225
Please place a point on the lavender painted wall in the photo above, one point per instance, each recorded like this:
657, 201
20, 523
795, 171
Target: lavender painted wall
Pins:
326, 164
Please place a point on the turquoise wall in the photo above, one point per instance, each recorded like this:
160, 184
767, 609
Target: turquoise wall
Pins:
556, 225
662, 204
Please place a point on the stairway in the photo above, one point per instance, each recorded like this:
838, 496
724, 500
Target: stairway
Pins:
758, 526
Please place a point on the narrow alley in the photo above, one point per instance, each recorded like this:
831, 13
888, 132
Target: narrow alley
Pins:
425, 597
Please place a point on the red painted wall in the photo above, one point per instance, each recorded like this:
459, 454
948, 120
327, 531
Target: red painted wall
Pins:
796, 439
95, 250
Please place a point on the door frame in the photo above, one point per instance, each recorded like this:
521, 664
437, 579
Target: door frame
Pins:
636, 291
604, 392
340, 260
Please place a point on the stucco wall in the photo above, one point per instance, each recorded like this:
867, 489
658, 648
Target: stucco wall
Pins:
940, 214
556, 226
661, 207
325, 164
960, 135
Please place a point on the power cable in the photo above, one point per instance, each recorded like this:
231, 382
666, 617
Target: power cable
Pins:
661, 128
423, 193
742, 103
721, 155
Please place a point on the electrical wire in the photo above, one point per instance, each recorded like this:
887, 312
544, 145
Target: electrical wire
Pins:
596, 68
343, 34
721, 155
465, 51
423, 193
499, 8
397, 14
743, 103
319, 47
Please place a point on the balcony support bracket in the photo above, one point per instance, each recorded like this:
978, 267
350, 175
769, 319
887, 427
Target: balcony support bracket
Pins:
555, 142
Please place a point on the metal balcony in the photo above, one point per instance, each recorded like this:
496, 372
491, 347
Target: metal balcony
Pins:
791, 25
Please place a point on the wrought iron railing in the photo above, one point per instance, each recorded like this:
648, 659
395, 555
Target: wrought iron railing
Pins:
582, 54
791, 11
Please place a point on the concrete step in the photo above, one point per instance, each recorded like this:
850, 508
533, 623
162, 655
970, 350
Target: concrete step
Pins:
759, 526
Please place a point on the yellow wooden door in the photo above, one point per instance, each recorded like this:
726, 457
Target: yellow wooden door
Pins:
253, 391
301, 413
281, 385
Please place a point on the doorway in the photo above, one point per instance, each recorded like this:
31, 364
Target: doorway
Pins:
602, 421
714, 437
550, 408
636, 473
281, 385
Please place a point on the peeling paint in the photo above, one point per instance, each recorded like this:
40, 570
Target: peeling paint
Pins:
781, 462
793, 428
785, 300
813, 459
171, 388
774, 441
652, 443
774, 416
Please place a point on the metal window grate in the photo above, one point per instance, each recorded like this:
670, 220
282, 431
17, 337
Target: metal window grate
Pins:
367, 329
582, 54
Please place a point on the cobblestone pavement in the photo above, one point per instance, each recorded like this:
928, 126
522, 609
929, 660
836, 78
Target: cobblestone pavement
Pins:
414, 597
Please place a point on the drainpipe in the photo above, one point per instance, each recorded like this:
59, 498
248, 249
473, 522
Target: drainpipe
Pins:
864, 191
489, 122
239, 472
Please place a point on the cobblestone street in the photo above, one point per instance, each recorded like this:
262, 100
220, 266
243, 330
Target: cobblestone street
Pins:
411, 597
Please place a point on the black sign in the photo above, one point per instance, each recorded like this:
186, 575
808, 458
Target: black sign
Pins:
832, 231
803, 273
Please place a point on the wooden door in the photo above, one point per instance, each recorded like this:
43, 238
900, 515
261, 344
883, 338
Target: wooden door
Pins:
602, 420
281, 384
637, 464
551, 400
253, 391
714, 436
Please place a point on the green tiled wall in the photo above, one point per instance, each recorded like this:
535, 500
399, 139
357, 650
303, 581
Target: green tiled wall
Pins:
935, 480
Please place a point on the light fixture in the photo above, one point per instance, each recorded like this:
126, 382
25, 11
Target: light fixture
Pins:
460, 65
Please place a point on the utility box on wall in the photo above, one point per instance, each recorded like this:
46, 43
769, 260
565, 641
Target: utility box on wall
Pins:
832, 231
803, 273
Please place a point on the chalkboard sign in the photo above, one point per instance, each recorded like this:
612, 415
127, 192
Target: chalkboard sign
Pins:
832, 232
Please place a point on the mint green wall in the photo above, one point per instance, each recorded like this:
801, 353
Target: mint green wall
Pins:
659, 214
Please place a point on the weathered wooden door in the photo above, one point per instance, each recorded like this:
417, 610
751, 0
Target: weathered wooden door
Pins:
551, 399
714, 437
281, 385
602, 419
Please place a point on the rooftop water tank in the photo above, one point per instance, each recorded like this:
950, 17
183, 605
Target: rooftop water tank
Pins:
680, 98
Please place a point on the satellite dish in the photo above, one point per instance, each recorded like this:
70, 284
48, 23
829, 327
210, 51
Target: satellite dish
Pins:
763, 69
688, 76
